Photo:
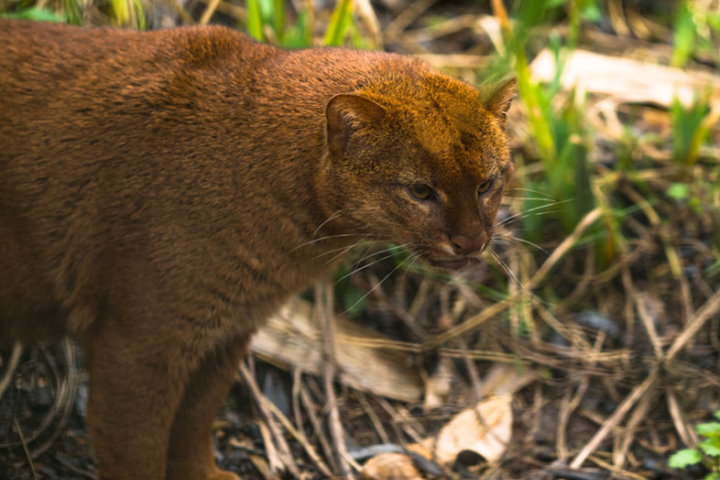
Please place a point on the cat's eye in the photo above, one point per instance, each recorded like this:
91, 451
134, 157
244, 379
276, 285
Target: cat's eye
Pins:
485, 187
420, 191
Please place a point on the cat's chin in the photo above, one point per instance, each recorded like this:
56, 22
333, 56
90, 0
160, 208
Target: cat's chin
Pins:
452, 263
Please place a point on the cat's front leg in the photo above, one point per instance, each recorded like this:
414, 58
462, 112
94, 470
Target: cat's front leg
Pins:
190, 455
139, 370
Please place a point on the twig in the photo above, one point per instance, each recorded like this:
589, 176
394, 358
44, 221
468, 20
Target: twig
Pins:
641, 302
68, 464
687, 434
620, 473
379, 428
628, 309
273, 458
65, 392
564, 247
710, 308
514, 288
441, 29
297, 383
265, 407
614, 419
400, 416
568, 406
12, 365
305, 397
18, 429
325, 303
407, 16
209, 11
498, 9
638, 415
69, 391
454, 60
299, 436
366, 15
671, 252
226, 8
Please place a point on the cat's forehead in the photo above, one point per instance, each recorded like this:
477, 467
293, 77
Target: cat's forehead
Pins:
453, 126
447, 120
460, 151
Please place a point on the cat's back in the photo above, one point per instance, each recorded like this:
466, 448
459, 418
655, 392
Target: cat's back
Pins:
70, 94
62, 46
54, 70
65, 60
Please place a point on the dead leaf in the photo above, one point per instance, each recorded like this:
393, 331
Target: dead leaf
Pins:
625, 79
438, 385
390, 466
291, 338
485, 429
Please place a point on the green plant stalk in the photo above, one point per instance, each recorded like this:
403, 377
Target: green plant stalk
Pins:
308, 22
684, 36
120, 12
339, 23
254, 20
279, 20
690, 129
616, 244
530, 94
574, 27
139, 12
72, 12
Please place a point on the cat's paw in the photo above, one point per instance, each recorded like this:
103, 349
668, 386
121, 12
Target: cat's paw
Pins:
214, 474
223, 475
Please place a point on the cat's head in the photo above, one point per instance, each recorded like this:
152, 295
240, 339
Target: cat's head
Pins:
423, 165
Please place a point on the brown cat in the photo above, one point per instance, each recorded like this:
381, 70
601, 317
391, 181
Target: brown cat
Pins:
162, 193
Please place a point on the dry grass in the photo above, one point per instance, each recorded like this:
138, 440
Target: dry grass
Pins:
624, 345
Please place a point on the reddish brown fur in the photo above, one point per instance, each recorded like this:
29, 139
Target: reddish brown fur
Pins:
162, 193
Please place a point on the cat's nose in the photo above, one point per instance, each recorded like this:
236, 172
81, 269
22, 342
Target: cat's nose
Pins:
463, 245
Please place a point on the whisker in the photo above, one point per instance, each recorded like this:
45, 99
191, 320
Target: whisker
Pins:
501, 241
504, 266
528, 212
508, 239
331, 217
327, 237
390, 248
343, 252
390, 252
375, 286
334, 250
531, 190
546, 199
529, 243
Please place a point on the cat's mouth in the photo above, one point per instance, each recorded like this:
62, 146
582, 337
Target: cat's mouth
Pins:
455, 263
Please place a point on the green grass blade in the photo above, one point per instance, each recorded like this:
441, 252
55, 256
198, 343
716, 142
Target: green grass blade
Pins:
278, 18
683, 37
339, 23
690, 129
36, 14
139, 12
254, 20
72, 12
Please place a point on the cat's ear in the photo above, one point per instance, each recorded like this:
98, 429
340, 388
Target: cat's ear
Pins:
347, 114
500, 99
